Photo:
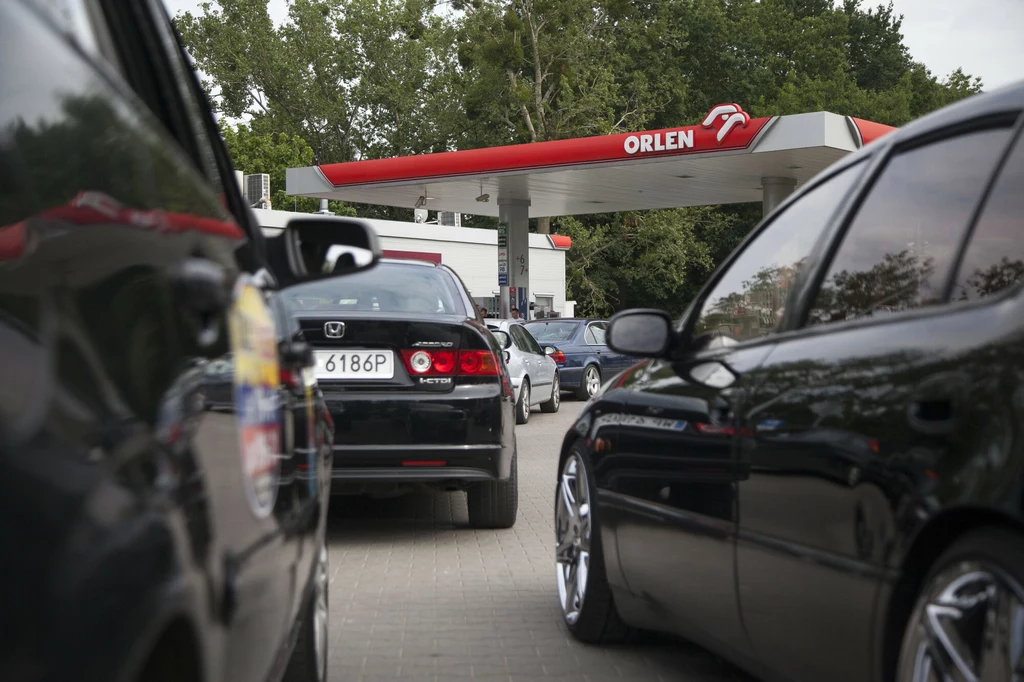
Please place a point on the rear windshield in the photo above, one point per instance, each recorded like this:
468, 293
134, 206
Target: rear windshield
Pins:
387, 288
552, 331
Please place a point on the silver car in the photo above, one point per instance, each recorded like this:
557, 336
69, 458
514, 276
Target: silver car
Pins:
534, 374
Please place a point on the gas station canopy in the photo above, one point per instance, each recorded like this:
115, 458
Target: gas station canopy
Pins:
727, 158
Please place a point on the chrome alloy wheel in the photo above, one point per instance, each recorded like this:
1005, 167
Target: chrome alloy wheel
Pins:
524, 395
572, 534
320, 615
592, 380
556, 392
968, 627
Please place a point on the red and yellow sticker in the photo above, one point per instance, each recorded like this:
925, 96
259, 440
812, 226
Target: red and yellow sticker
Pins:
254, 349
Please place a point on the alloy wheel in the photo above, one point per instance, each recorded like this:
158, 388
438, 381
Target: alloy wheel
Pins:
525, 397
967, 627
320, 614
593, 380
556, 392
572, 535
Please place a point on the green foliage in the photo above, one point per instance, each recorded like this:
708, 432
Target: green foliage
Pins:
379, 78
274, 153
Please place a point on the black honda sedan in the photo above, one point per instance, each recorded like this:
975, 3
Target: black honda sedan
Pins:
831, 488
415, 384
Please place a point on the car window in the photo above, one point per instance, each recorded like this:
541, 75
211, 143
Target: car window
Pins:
994, 258
748, 300
518, 338
595, 334
387, 288
897, 253
82, 22
551, 332
531, 343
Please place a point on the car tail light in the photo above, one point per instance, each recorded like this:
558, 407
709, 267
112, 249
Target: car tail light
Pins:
449, 362
477, 363
557, 356
428, 363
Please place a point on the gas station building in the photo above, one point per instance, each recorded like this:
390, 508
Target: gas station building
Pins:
727, 158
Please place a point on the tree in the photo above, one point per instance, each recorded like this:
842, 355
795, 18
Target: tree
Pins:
274, 153
354, 78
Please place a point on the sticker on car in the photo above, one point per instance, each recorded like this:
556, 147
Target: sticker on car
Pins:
257, 409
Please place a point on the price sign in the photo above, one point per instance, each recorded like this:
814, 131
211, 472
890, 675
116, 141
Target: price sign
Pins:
502, 254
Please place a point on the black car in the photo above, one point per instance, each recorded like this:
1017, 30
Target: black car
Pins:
143, 538
819, 472
415, 385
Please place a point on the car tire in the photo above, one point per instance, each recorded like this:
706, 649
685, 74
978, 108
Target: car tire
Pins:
308, 662
586, 389
552, 405
963, 608
523, 404
589, 613
495, 504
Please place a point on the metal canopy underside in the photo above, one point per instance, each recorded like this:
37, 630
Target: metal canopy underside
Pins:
598, 175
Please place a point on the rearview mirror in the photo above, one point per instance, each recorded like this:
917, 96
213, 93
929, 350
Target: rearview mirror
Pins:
504, 340
319, 247
641, 333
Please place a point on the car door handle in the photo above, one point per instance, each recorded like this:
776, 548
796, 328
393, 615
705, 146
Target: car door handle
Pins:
202, 286
934, 409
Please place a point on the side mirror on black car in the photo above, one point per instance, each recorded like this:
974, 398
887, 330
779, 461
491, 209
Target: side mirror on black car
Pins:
641, 332
317, 248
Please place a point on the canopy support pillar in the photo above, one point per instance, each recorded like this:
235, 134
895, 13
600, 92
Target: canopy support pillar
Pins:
516, 214
774, 192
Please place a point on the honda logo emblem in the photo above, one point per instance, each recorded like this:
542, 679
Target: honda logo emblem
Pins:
334, 330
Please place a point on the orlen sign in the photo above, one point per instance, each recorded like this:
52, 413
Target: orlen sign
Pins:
723, 119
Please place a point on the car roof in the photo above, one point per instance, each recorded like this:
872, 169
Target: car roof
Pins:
1008, 100
567, 319
408, 261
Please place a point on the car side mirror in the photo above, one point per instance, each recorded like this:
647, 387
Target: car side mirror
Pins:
548, 350
641, 332
318, 248
504, 340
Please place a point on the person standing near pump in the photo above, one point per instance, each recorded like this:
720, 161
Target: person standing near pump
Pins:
515, 315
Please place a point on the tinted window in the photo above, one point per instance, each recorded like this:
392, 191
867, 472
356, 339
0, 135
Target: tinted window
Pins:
386, 288
595, 334
749, 299
551, 332
82, 22
897, 253
531, 343
994, 259
518, 338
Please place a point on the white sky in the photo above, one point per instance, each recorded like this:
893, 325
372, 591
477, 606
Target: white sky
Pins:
985, 37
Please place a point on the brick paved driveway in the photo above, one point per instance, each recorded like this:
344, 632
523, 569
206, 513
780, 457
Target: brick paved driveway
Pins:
416, 594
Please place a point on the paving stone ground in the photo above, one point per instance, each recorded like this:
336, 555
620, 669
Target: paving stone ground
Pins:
417, 594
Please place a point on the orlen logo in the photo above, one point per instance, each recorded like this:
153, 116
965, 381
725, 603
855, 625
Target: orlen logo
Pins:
728, 116
723, 117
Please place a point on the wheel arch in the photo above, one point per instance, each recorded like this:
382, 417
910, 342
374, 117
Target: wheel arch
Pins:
929, 543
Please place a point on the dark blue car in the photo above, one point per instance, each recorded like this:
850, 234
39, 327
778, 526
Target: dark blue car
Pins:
584, 359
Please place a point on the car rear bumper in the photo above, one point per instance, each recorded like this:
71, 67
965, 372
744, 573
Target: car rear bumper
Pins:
420, 464
464, 435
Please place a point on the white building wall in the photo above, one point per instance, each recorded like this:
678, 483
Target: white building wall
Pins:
471, 252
